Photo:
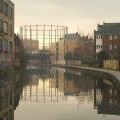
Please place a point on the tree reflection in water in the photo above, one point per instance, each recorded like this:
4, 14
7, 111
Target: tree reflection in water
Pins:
48, 84
59, 84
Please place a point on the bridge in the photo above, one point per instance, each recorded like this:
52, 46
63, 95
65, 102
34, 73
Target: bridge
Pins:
42, 57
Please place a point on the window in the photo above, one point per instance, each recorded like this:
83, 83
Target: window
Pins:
10, 47
5, 45
115, 36
10, 30
110, 37
100, 36
1, 26
96, 47
1, 44
110, 47
5, 27
115, 46
5, 8
10, 12
1, 5
96, 36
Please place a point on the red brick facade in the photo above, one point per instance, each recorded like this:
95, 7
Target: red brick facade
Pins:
111, 44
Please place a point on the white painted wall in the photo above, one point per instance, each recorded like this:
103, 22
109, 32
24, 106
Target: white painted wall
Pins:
99, 43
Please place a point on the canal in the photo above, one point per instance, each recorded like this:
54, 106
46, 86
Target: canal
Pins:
49, 93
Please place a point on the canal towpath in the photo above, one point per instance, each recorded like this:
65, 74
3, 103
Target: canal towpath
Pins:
114, 73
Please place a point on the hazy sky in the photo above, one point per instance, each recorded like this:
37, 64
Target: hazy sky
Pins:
79, 15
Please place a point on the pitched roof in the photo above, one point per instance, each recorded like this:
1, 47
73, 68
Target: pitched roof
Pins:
72, 36
109, 28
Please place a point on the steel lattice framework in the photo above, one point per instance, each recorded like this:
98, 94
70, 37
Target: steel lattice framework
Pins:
45, 34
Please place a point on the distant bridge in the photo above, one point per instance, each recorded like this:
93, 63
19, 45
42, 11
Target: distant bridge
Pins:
42, 57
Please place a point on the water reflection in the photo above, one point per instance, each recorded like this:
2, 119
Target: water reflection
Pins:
59, 84
60, 87
42, 86
11, 87
110, 100
7, 98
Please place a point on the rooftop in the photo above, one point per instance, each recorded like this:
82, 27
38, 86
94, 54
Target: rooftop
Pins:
71, 36
109, 28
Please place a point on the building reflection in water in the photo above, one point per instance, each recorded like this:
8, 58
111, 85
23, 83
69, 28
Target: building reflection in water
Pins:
43, 87
10, 90
6, 99
110, 99
57, 85
60, 84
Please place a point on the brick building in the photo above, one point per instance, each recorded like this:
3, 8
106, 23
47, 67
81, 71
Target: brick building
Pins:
107, 38
79, 48
85, 51
6, 32
17, 50
68, 44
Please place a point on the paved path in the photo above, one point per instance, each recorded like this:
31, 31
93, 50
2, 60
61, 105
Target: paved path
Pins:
114, 73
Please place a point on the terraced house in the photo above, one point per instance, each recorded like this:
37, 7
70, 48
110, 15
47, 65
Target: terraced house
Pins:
107, 38
6, 33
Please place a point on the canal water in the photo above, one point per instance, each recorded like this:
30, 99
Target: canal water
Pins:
58, 94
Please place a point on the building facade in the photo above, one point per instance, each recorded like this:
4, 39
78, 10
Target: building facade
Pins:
17, 50
85, 51
30, 46
107, 38
30, 50
6, 33
67, 44
80, 47
73, 47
